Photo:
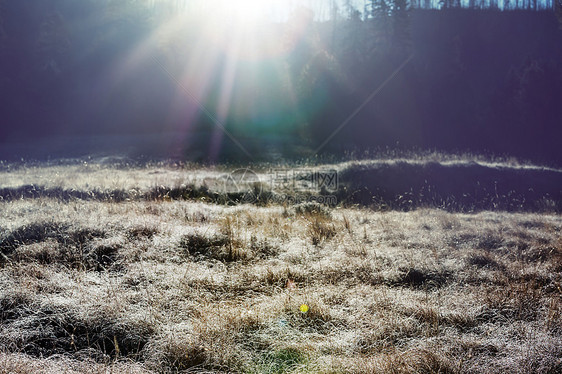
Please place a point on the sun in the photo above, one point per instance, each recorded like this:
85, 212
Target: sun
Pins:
250, 11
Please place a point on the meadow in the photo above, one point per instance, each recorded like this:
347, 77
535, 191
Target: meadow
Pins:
430, 265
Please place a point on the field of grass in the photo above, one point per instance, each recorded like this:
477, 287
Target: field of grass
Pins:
148, 269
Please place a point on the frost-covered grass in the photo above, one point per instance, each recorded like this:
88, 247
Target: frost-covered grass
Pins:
163, 285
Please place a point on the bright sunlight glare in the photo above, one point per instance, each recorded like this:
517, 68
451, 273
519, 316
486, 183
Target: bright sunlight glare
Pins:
246, 11
227, 62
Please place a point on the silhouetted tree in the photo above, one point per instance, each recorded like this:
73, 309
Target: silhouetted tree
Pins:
402, 38
351, 52
3, 44
558, 11
389, 25
2, 31
53, 43
379, 17
301, 41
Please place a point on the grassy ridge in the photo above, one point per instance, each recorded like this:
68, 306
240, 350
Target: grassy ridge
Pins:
463, 186
459, 186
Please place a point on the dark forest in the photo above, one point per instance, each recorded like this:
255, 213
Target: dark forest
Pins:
474, 80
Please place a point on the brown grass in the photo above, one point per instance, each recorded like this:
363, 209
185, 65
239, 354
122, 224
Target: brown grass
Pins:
158, 286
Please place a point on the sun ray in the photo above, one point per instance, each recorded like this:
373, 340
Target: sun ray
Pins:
223, 53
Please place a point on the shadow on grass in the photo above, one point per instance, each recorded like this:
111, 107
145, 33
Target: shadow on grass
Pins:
460, 188
421, 279
35, 192
59, 330
68, 246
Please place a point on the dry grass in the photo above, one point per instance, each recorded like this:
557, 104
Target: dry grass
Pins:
164, 285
